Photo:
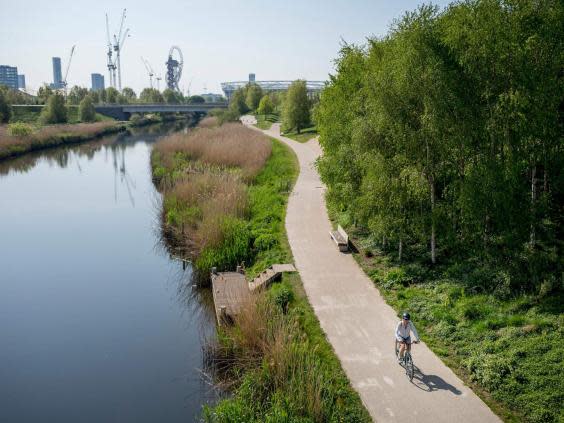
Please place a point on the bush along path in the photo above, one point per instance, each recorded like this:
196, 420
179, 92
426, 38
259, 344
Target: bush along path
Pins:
275, 359
358, 322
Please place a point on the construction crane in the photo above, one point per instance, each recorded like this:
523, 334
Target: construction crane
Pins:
111, 66
149, 70
67, 70
117, 47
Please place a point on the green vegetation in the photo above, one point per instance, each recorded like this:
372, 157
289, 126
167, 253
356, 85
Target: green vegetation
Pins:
5, 109
253, 97
55, 111
443, 150
19, 138
296, 107
86, 110
19, 129
304, 136
266, 106
230, 207
281, 364
76, 95
266, 121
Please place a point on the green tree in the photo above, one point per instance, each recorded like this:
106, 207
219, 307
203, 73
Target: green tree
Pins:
196, 99
5, 108
265, 106
95, 96
129, 95
253, 96
151, 95
76, 94
295, 112
111, 95
237, 105
86, 110
43, 94
171, 96
55, 111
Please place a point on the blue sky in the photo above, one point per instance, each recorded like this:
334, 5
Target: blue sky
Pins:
220, 40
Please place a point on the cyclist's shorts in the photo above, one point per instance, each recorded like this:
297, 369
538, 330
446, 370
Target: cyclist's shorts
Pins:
406, 340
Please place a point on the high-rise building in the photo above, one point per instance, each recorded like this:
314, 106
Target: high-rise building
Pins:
252, 78
21, 82
97, 82
57, 74
9, 76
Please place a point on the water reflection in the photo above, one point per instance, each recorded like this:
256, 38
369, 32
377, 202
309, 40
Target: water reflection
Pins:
97, 322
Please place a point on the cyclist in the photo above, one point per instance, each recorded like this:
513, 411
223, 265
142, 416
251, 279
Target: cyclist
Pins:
403, 329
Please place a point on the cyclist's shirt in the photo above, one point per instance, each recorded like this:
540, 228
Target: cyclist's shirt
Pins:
402, 332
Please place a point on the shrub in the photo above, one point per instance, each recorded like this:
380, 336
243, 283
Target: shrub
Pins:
5, 109
55, 111
86, 110
19, 129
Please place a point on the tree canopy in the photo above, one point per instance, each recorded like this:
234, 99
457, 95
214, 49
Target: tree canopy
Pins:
86, 110
295, 110
253, 96
445, 137
55, 111
265, 106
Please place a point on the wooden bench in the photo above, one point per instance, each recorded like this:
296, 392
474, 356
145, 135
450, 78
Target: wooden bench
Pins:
341, 238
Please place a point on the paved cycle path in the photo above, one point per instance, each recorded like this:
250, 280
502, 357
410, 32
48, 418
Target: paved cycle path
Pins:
358, 322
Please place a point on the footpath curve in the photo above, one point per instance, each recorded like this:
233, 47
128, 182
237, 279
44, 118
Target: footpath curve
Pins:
358, 322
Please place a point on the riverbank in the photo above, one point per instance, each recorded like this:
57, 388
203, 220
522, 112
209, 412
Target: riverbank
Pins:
275, 359
36, 138
507, 348
53, 136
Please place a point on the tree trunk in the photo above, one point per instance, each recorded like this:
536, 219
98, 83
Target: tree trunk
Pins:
384, 242
433, 229
400, 249
533, 201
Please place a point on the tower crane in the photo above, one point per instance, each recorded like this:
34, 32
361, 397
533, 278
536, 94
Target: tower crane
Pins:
67, 69
149, 70
111, 66
117, 47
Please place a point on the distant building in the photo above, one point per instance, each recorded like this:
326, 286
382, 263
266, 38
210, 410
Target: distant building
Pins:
313, 87
97, 82
213, 98
21, 82
57, 74
9, 76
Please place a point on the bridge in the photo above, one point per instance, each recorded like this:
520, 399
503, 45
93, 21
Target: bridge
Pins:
124, 111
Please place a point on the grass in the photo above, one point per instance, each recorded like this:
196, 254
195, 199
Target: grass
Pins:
264, 122
304, 136
281, 364
204, 176
276, 357
507, 347
53, 135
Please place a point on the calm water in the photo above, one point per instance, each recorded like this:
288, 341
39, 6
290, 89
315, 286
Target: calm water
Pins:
97, 322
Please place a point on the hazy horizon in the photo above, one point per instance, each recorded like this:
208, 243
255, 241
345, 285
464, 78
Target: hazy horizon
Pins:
220, 40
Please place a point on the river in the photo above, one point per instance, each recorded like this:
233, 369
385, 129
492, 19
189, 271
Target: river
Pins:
97, 322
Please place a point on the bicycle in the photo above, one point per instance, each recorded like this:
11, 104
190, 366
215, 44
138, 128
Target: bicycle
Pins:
406, 361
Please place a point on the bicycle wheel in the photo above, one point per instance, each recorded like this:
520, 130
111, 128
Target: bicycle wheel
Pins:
409, 366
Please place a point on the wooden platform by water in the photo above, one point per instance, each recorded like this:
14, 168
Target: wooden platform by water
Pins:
231, 290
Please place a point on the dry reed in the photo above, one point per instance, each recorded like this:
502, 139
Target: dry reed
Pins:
230, 145
209, 122
50, 135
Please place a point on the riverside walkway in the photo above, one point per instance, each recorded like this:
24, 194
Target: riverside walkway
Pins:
358, 322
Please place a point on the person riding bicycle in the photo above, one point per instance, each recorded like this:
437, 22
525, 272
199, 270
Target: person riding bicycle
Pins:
403, 329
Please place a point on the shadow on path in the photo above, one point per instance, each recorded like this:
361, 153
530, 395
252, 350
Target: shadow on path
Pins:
432, 383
